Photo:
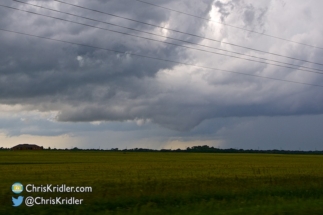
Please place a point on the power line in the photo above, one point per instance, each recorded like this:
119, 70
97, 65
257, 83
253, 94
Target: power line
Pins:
165, 37
127, 34
160, 59
244, 29
194, 35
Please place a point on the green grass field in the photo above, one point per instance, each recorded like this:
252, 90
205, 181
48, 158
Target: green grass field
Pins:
167, 183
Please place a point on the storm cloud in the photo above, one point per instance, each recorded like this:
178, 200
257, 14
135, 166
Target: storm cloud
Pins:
83, 84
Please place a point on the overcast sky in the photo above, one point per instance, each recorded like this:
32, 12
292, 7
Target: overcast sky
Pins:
62, 95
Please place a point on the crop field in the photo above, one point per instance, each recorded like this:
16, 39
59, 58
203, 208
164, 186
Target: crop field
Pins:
167, 183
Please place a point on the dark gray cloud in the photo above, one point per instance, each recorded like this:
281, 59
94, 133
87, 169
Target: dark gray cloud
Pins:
84, 84
287, 133
224, 8
254, 17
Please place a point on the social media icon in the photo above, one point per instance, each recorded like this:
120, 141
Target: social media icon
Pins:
17, 188
17, 201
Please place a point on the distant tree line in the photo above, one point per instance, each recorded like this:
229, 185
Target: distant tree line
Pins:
194, 149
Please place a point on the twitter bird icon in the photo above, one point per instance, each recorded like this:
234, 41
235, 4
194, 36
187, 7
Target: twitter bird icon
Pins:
17, 201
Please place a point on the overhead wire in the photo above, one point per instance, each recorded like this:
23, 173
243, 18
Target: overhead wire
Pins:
201, 45
177, 31
127, 34
160, 59
232, 26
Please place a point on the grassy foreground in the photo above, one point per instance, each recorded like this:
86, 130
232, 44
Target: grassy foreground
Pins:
167, 183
